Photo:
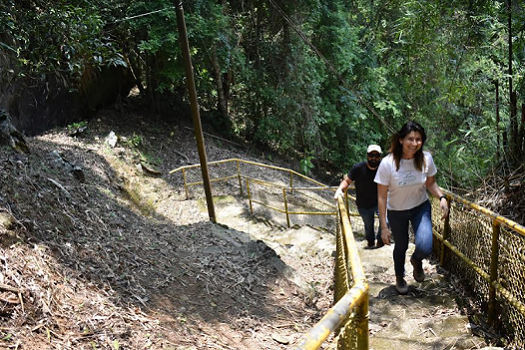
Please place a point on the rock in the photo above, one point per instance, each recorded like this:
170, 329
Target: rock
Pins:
77, 131
112, 139
78, 173
10, 136
8, 234
6, 221
280, 339
58, 160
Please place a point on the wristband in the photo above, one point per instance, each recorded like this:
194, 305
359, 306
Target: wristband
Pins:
443, 196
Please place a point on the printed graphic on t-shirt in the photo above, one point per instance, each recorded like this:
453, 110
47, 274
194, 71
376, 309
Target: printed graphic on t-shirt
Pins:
407, 178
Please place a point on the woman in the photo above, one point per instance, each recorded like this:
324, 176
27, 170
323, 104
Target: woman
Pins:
402, 181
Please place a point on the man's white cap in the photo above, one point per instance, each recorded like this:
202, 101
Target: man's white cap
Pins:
374, 148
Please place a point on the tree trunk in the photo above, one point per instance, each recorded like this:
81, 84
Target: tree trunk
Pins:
222, 102
497, 120
521, 135
513, 144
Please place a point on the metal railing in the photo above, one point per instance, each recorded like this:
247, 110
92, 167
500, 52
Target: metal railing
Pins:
349, 315
487, 252
294, 191
348, 318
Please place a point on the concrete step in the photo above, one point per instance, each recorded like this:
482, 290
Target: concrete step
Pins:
428, 317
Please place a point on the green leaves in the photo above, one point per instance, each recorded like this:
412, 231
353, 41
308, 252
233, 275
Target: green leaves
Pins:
314, 77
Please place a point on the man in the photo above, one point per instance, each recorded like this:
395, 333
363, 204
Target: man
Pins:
363, 175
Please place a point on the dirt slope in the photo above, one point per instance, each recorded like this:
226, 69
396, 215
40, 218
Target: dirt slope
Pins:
101, 250
101, 253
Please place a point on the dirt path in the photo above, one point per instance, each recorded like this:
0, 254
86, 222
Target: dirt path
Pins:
433, 315
106, 254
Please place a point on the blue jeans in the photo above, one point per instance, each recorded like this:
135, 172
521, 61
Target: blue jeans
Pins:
420, 217
368, 219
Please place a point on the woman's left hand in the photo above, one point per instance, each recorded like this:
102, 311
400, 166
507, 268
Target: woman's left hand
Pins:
443, 204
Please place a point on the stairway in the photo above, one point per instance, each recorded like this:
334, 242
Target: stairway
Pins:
428, 317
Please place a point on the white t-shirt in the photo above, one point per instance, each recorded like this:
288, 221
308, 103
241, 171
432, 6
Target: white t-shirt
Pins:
406, 186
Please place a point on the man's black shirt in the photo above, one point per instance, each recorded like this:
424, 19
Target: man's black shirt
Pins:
365, 187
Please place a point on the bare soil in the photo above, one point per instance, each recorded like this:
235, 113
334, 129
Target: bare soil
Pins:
100, 250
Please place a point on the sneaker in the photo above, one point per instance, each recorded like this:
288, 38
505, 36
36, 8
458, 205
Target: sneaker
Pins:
419, 274
401, 285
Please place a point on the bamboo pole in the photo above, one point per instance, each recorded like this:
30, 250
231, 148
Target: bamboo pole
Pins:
183, 38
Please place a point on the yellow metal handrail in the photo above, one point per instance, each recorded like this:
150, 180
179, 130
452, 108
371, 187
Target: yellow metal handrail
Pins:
350, 311
250, 180
498, 293
460, 234
354, 301
252, 163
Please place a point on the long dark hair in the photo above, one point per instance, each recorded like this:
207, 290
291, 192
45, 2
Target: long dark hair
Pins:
396, 148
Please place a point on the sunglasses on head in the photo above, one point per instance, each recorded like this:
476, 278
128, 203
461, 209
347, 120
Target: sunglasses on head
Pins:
374, 155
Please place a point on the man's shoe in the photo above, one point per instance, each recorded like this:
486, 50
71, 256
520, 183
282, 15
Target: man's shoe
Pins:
401, 285
370, 245
419, 274
379, 243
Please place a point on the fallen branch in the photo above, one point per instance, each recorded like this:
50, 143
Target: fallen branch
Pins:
183, 156
9, 288
60, 187
9, 301
149, 169
218, 138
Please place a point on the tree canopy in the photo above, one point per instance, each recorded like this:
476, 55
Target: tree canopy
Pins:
318, 80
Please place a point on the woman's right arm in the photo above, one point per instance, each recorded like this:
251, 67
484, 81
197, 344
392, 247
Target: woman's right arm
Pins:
382, 192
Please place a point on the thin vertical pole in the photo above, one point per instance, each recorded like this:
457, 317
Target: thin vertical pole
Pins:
346, 202
493, 270
183, 37
185, 183
446, 234
361, 319
239, 176
291, 182
249, 195
286, 208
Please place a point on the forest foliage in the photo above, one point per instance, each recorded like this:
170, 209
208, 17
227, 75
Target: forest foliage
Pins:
317, 80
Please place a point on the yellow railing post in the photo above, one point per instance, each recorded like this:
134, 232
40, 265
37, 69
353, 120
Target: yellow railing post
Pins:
239, 175
286, 208
249, 195
361, 322
346, 202
291, 182
349, 315
446, 234
185, 183
493, 270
